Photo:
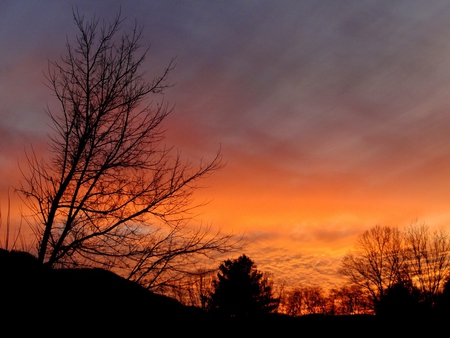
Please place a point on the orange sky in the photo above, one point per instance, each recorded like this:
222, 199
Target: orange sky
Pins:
332, 116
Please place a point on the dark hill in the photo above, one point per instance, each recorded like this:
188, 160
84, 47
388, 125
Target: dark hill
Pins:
95, 302
36, 299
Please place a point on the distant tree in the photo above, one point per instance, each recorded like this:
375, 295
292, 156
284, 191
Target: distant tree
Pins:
442, 306
194, 290
388, 260
427, 259
402, 300
349, 300
306, 300
376, 262
241, 290
110, 194
293, 303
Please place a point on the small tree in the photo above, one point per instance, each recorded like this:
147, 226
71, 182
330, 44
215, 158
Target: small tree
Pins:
307, 300
241, 290
350, 300
111, 194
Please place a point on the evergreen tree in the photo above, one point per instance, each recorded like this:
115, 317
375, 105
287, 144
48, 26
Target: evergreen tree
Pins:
241, 290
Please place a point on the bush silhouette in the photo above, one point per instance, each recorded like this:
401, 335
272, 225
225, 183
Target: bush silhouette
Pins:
401, 300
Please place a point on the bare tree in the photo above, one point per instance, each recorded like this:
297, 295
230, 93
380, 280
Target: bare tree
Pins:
293, 304
195, 289
427, 258
111, 194
387, 260
349, 300
307, 300
376, 262
314, 300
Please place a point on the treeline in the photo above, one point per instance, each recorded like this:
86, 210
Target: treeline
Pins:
389, 272
299, 301
405, 269
311, 300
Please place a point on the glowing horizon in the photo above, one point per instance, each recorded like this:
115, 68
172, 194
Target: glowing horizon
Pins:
331, 118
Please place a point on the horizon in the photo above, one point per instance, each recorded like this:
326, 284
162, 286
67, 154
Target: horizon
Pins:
332, 117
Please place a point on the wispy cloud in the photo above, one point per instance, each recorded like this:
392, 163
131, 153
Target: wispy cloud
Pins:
332, 116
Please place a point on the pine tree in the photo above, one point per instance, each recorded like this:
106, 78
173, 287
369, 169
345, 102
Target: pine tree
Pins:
241, 290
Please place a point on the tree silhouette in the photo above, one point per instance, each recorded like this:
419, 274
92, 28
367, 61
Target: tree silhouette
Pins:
401, 300
376, 262
306, 300
385, 259
427, 260
442, 307
111, 194
349, 300
241, 290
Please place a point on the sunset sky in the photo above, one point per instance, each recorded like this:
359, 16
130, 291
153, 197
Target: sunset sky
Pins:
332, 116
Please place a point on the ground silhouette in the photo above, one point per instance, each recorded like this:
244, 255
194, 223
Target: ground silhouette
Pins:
76, 300
68, 302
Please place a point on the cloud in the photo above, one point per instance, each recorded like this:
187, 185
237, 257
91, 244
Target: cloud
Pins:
332, 116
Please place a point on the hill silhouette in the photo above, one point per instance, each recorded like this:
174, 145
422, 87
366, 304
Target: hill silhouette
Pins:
35, 298
71, 302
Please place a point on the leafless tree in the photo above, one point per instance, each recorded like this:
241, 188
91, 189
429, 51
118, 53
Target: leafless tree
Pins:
415, 259
306, 300
349, 300
376, 262
293, 303
427, 258
13, 238
111, 194
314, 300
195, 289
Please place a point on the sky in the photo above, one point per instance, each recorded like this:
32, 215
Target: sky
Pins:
332, 116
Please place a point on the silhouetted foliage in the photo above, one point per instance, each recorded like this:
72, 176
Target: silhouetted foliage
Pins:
349, 300
427, 260
240, 290
314, 300
401, 300
79, 302
442, 306
375, 263
111, 194
306, 300
387, 260
195, 289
